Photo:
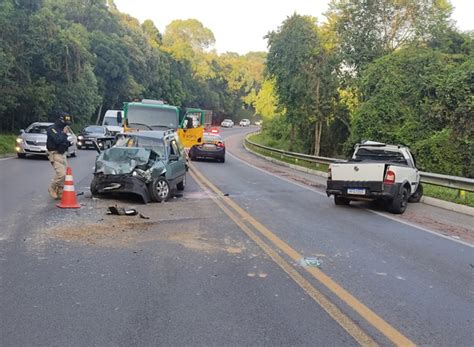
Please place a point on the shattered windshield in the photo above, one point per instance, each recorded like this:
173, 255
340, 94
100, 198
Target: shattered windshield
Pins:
143, 117
125, 155
153, 144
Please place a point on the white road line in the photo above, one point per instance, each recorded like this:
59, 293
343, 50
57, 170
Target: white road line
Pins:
419, 227
6, 158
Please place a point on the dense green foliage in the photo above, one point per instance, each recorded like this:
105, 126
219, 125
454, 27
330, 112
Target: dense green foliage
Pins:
84, 57
402, 72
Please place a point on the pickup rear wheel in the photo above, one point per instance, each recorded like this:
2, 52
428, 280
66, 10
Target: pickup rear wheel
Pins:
416, 197
399, 204
341, 201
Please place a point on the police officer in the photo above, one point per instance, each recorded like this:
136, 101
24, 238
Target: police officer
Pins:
57, 145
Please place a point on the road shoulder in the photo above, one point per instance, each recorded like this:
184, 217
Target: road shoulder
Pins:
450, 224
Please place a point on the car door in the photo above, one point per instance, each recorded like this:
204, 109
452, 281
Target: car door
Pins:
176, 168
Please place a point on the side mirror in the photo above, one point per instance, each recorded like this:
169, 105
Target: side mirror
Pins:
119, 117
96, 146
22, 131
174, 157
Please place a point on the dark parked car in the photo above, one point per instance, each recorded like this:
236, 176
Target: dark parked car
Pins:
97, 133
212, 147
147, 163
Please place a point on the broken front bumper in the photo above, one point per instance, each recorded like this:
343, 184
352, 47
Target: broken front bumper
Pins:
121, 184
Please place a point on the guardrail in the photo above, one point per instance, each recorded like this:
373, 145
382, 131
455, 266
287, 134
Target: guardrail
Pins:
454, 182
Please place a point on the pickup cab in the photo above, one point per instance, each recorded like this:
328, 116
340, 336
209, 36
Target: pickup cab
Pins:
377, 172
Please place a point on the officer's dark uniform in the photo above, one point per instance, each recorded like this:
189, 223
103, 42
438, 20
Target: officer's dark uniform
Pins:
57, 145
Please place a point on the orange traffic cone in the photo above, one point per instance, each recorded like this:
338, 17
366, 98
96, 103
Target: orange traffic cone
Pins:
68, 199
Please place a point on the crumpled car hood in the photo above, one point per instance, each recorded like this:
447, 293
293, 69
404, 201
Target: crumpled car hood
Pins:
123, 160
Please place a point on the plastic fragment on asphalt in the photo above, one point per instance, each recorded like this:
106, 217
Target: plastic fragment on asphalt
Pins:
143, 216
310, 261
121, 211
80, 193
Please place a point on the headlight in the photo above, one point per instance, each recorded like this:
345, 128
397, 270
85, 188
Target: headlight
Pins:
134, 173
80, 137
19, 140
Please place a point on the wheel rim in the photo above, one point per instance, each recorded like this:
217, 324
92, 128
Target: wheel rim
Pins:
162, 189
404, 199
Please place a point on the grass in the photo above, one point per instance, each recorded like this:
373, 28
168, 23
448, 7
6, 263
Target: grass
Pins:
442, 193
448, 194
7, 143
263, 140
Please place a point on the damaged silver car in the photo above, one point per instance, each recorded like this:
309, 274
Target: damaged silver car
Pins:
151, 164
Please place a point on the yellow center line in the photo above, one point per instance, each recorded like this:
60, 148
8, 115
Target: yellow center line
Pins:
345, 322
370, 316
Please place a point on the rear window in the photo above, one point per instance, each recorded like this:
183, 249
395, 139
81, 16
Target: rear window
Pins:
212, 138
379, 154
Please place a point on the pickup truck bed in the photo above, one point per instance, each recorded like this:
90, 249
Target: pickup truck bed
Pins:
377, 171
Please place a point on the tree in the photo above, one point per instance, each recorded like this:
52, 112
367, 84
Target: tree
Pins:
266, 101
300, 67
421, 98
369, 29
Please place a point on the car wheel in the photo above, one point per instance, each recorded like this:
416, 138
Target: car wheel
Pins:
416, 197
181, 185
94, 187
21, 155
222, 160
159, 189
74, 154
341, 201
79, 147
399, 204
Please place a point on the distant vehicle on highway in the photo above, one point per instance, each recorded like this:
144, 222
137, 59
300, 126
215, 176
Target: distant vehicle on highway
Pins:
227, 123
213, 147
97, 133
151, 164
244, 123
376, 172
111, 121
32, 140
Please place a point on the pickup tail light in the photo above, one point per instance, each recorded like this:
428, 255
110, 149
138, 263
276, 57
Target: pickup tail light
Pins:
389, 177
329, 173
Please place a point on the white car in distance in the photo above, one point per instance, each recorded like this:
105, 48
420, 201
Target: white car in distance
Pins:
227, 123
244, 123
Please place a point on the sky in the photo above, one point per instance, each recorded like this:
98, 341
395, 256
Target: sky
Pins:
239, 26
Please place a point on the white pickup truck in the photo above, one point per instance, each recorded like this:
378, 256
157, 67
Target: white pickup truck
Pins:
376, 172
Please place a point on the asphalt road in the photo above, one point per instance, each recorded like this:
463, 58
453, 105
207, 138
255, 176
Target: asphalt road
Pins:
192, 275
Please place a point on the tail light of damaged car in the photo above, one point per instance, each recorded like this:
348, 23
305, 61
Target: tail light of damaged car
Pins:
150, 164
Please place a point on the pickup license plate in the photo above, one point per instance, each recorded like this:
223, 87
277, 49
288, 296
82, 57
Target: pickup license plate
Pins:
36, 149
356, 191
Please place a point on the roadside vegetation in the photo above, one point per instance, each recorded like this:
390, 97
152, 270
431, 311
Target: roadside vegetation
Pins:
442, 193
85, 57
403, 77
7, 143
